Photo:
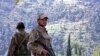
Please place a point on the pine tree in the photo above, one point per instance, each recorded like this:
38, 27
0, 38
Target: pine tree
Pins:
69, 47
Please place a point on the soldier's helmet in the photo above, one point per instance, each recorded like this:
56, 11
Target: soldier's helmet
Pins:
20, 25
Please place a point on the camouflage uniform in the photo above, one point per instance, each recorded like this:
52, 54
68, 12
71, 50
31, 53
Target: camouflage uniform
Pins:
18, 45
44, 38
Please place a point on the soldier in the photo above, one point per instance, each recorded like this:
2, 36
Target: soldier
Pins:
18, 45
39, 41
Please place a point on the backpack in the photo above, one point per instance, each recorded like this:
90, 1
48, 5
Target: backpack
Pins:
21, 48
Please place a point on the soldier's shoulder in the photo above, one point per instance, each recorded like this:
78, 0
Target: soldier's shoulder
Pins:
14, 35
26, 32
34, 30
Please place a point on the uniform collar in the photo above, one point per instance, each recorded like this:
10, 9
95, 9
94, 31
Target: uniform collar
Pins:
41, 28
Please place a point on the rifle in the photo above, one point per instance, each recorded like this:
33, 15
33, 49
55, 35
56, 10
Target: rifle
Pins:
50, 50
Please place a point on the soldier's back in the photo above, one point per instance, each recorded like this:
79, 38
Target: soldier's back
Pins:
21, 40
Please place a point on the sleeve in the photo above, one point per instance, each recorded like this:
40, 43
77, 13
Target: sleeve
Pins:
33, 46
12, 47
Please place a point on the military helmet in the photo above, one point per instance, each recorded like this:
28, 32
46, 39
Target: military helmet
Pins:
20, 25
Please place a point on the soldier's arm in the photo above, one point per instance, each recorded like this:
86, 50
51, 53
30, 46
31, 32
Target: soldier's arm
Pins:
12, 47
33, 47
31, 41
